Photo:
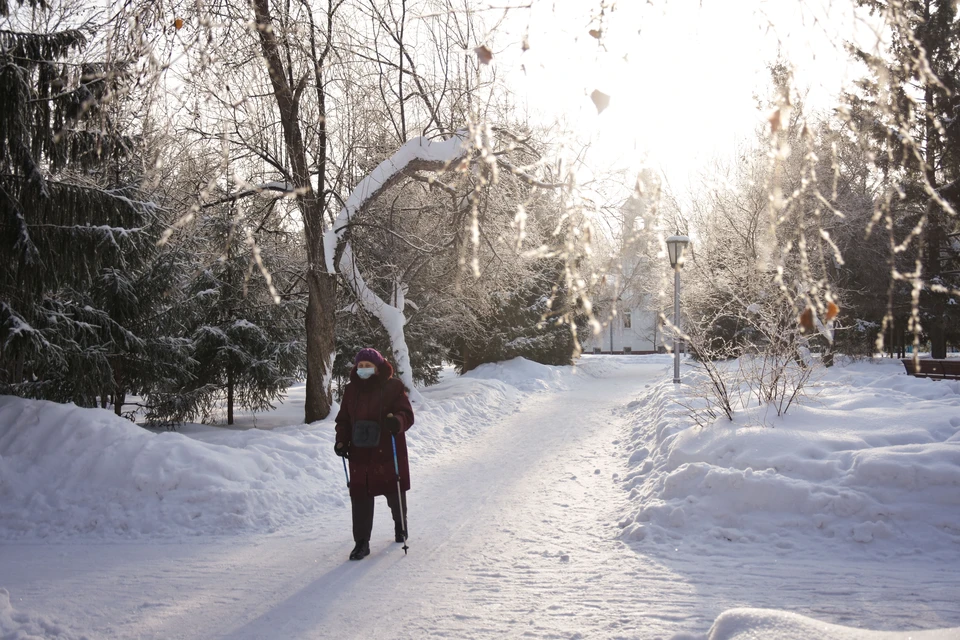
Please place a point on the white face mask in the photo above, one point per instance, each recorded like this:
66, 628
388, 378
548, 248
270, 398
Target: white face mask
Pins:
366, 372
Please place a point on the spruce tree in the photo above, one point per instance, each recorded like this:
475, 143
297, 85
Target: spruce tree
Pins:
72, 226
527, 322
245, 340
910, 109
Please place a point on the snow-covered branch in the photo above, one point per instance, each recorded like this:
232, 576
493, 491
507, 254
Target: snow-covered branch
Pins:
419, 154
280, 187
390, 316
527, 178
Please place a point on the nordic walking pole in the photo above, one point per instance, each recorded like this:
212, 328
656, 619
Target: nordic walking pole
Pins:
345, 471
403, 518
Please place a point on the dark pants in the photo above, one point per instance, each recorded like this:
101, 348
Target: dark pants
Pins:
363, 515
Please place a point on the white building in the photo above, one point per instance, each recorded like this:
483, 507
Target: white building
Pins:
632, 324
635, 329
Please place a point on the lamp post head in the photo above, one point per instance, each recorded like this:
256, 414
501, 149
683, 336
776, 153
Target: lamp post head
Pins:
675, 247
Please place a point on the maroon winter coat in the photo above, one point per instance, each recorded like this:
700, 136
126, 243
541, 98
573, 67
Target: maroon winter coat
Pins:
371, 469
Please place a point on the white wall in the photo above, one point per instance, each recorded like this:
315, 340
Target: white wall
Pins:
639, 337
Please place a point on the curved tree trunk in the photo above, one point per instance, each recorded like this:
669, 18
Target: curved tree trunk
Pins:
419, 154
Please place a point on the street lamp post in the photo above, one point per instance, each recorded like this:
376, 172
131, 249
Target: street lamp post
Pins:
675, 247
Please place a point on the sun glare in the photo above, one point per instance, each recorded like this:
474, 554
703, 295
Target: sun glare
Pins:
686, 79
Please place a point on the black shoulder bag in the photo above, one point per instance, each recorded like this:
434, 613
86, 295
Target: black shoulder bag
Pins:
366, 433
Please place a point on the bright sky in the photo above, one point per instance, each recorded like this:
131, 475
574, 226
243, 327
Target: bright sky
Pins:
683, 75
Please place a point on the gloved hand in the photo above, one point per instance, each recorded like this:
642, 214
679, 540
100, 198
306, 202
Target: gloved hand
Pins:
393, 424
342, 449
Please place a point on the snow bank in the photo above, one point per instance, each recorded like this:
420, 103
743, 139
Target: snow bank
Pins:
521, 373
16, 625
603, 366
764, 624
872, 458
67, 471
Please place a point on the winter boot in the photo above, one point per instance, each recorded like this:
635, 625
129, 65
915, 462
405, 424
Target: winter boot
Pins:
361, 551
399, 534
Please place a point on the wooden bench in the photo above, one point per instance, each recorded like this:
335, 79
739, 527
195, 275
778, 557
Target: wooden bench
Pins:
934, 369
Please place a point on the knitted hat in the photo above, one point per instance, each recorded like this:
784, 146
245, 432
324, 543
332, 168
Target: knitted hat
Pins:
370, 355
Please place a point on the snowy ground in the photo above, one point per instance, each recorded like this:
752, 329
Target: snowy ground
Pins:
546, 503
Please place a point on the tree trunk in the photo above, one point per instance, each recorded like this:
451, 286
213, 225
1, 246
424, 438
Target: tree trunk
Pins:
936, 238
18, 369
935, 232
118, 399
322, 286
119, 394
902, 337
229, 397
938, 340
320, 326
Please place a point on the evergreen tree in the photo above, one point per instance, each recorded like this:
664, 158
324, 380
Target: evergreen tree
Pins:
148, 304
910, 109
527, 322
245, 340
72, 227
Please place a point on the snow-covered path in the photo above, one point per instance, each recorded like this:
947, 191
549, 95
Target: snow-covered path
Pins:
513, 534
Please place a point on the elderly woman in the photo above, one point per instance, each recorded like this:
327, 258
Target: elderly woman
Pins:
374, 408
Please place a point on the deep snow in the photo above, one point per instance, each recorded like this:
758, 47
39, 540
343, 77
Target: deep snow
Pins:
873, 457
546, 502
66, 471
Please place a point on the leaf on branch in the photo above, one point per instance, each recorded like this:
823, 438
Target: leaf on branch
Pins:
484, 55
596, 33
778, 118
600, 100
806, 320
832, 311
178, 24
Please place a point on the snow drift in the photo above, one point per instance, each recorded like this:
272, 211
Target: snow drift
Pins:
18, 625
67, 471
872, 457
765, 624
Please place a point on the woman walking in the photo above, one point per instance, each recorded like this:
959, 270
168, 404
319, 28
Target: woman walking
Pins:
374, 408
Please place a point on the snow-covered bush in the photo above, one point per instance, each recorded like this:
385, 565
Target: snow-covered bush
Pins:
771, 364
776, 365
